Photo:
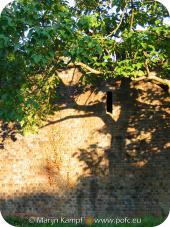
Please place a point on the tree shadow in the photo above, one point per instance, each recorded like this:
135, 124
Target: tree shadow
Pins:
138, 141
130, 176
7, 131
138, 148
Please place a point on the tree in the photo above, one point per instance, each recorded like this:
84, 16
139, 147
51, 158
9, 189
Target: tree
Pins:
37, 38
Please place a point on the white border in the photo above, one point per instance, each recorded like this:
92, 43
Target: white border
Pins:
4, 3
3, 223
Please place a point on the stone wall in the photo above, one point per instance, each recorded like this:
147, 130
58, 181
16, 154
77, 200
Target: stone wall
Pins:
86, 162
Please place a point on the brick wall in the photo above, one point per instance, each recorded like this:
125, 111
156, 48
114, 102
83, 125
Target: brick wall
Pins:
86, 162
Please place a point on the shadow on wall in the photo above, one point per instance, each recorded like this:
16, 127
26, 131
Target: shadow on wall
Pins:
7, 131
138, 168
131, 176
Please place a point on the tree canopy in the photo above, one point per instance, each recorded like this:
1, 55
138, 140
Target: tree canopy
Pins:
102, 37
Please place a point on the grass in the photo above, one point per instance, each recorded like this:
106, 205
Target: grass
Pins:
150, 221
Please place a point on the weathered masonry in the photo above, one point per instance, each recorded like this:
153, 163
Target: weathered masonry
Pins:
86, 161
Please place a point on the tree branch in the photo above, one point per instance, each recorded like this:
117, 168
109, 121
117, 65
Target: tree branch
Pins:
69, 64
88, 68
121, 20
132, 16
153, 76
